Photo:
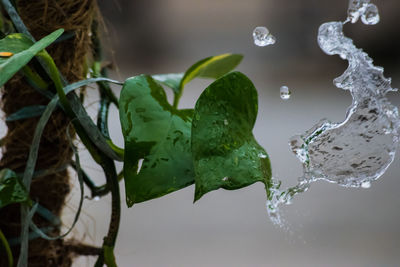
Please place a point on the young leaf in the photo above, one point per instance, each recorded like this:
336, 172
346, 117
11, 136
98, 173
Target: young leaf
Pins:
22, 50
225, 153
11, 189
156, 132
211, 67
172, 80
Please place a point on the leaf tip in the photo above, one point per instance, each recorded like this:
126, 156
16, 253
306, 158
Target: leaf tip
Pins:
198, 194
129, 201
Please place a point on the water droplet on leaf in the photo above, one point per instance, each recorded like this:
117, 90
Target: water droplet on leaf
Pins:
262, 156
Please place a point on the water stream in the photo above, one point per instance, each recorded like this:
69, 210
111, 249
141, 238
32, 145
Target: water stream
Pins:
357, 151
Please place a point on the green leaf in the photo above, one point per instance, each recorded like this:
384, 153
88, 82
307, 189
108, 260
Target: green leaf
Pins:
23, 50
211, 67
11, 189
225, 153
26, 113
172, 80
157, 133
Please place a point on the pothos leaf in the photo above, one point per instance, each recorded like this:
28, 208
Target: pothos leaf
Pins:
11, 189
225, 153
157, 133
18, 50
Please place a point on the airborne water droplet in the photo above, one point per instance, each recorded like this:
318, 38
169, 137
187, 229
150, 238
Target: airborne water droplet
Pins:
356, 9
285, 92
226, 122
371, 15
366, 184
262, 37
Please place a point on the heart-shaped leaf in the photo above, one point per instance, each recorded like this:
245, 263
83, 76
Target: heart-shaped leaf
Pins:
225, 153
157, 133
21, 50
11, 189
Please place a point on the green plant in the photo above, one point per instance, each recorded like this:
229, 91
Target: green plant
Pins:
166, 148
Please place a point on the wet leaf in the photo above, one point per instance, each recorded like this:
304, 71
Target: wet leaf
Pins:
211, 67
225, 153
23, 50
11, 189
157, 133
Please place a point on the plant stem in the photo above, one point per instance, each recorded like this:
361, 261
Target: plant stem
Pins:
7, 248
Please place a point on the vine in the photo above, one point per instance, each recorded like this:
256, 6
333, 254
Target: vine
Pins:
166, 148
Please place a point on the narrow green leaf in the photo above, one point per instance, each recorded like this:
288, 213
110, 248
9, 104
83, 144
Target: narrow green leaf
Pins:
26, 113
11, 189
157, 133
7, 248
211, 67
225, 153
23, 50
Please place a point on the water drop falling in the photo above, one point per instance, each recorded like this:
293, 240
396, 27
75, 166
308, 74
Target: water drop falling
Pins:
356, 9
371, 15
262, 37
366, 184
285, 92
226, 122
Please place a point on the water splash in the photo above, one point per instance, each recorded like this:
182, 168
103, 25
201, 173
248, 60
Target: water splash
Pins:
262, 37
357, 151
285, 92
363, 9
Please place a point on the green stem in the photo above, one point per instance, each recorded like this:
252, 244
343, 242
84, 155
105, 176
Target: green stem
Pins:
177, 97
112, 181
7, 248
67, 107
106, 94
34, 79
97, 191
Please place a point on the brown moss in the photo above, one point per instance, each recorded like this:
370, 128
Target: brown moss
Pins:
43, 17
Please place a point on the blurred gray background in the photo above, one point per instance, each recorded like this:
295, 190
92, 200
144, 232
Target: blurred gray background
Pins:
328, 225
